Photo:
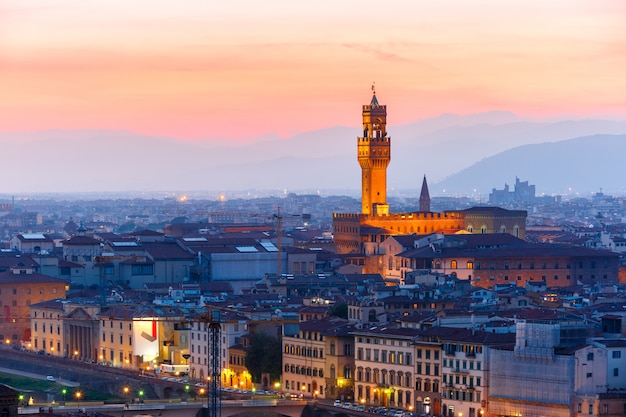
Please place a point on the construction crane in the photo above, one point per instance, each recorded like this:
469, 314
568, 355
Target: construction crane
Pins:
215, 393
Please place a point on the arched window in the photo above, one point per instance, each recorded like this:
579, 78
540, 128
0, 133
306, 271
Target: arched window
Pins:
516, 231
470, 228
453, 264
483, 229
503, 229
470, 265
371, 317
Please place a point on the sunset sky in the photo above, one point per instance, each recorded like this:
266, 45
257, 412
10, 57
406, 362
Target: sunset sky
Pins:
200, 69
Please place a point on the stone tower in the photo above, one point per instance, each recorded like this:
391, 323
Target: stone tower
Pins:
424, 197
374, 154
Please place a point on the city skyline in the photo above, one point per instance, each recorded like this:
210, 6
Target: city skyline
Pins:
244, 71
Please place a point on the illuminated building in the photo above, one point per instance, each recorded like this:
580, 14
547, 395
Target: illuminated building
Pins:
362, 232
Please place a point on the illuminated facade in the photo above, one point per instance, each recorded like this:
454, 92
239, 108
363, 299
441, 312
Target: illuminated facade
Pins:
385, 367
374, 155
234, 328
362, 232
304, 360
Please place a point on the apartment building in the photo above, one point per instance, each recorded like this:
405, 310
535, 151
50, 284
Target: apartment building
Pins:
46, 328
385, 366
233, 327
304, 358
465, 367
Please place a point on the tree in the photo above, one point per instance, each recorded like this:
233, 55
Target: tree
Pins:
339, 310
264, 355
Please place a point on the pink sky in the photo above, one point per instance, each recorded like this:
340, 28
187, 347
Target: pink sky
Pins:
200, 69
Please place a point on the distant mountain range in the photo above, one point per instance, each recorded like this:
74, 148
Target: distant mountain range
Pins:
460, 155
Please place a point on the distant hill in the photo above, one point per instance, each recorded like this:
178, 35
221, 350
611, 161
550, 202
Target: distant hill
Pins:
580, 165
449, 149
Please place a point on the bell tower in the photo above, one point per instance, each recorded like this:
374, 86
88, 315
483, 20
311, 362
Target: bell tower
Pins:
374, 155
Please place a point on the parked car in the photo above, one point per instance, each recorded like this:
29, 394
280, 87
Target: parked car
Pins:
337, 403
51, 378
347, 405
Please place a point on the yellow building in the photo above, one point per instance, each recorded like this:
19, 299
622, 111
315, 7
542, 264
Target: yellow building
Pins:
47, 328
304, 358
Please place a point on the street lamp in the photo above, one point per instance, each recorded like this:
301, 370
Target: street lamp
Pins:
202, 392
64, 392
78, 394
140, 393
126, 391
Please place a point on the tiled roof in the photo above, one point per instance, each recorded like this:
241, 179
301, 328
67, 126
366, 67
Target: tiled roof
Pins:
14, 260
322, 325
406, 241
364, 277
55, 304
388, 330
128, 312
527, 250
81, 241
454, 334
146, 232
167, 250
69, 264
613, 343
9, 277
492, 211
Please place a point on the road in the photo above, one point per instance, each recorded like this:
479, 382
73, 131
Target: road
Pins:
60, 381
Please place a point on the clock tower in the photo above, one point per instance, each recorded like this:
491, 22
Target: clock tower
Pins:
374, 155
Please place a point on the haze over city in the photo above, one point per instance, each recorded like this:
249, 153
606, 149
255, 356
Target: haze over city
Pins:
227, 75
329, 209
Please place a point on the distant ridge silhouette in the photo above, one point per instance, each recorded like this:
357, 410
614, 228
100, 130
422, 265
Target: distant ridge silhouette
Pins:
455, 152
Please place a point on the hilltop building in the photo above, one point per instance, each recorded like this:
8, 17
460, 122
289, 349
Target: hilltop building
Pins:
362, 232
521, 192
